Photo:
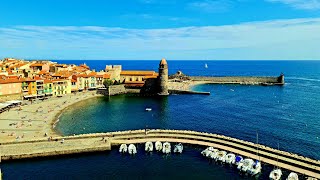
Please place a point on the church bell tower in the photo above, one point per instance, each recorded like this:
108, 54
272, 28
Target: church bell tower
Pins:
163, 78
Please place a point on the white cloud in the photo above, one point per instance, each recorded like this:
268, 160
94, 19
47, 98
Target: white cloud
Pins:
300, 4
277, 39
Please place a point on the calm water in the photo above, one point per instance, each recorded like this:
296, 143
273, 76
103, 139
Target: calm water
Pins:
287, 115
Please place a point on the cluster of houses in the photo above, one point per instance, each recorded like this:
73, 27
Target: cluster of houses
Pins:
37, 79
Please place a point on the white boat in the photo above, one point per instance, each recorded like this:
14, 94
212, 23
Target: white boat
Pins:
178, 148
239, 161
208, 151
166, 148
256, 168
123, 148
275, 174
214, 154
247, 164
206, 65
158, 145
230, 158
148, 147
293, 176
221, 156
148, 109
132, 149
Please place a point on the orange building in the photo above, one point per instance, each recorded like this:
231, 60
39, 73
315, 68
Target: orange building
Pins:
10, 86
136, 78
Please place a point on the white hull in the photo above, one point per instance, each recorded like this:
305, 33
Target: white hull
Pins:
256, 168
178, 148
247, 165
158, 145
123, 148
214, 154
148, 147
293, 176
275, 174
132, 149
230, 158
166, 148
221, 156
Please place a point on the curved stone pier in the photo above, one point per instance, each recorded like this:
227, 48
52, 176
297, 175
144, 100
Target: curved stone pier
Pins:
104, 141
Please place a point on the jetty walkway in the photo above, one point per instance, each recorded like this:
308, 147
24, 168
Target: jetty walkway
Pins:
104, 142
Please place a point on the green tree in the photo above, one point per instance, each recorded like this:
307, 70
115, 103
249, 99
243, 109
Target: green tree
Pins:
107, 83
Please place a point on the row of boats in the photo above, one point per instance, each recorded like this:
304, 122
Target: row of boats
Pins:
246, 165
165, 147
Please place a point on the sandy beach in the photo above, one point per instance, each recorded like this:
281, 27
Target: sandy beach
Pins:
36, 119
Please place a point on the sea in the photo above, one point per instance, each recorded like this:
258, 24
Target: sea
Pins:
285, 117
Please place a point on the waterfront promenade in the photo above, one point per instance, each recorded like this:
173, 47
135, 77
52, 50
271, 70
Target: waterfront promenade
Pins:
104, 141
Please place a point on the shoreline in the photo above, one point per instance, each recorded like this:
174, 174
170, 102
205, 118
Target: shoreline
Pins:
35, 120
46, 114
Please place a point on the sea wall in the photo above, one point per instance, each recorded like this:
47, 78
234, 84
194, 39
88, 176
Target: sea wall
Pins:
112, 90
105, 141
240, 79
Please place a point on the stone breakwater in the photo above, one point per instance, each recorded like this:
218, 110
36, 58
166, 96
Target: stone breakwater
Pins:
104, 141
240, 80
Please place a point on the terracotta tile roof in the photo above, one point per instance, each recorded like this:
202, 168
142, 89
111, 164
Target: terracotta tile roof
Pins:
92, 74
55, 80
43, 72
28, 80
38, 78
82, 75
9, 81
106, 76
46, 81
36, 64
138, 73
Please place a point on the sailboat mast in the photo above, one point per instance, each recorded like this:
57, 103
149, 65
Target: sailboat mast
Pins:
258, 146
278, 156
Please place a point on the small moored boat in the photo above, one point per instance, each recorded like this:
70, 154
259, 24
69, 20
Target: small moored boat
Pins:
132, 149
247, 164
178, 148
123, 148
221, 156
166, 148
256, 168
239, 162
158, 145
230, 158
293, 176
214, 154
148, 147
148, 109
207, 152
275, 174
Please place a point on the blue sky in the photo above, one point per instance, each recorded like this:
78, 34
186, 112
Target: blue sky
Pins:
152, 29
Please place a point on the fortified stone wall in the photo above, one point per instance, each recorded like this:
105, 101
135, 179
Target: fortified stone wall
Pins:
112, 90
238, 79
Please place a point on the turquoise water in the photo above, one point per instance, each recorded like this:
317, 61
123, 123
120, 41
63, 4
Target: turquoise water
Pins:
287, 115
